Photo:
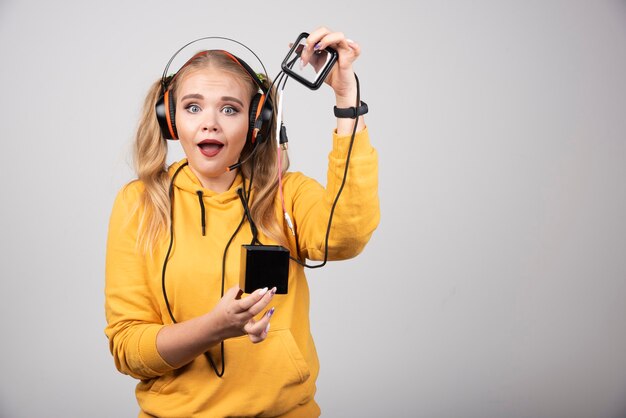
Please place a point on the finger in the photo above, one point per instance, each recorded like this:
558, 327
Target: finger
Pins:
257, 327
311, 40
356, 48
250, 300
315, 36
347, 49
233, 293
335, 39
255, 309
259, 338
338, 41
260, 334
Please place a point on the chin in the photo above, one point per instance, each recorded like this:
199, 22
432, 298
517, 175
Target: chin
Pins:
208, 168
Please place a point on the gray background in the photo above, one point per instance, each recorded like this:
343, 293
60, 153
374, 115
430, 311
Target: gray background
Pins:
495, 284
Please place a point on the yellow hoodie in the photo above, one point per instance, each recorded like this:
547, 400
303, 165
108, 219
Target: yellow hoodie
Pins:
273, 378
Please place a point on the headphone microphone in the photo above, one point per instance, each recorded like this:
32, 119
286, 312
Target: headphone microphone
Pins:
240, 163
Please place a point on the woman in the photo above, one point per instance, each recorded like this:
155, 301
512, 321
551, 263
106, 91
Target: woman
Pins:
175, 237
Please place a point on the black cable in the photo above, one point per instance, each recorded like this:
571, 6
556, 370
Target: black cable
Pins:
253, 228
167, 257
343, 183
207, 354
243, 218
281, 77
169, 249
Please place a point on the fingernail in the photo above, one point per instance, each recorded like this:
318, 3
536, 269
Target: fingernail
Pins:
267, 328
317, 46
350, 41
270, 312
263, 291
273, 291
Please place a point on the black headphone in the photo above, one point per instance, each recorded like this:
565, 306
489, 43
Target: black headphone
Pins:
261, 108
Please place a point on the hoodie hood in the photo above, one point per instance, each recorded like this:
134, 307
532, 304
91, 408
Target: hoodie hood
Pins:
187, 181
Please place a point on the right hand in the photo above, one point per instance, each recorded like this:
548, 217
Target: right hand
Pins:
235, 317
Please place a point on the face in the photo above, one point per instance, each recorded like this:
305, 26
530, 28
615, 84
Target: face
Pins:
212, 123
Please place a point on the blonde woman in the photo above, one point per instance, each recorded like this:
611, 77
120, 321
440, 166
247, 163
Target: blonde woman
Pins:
176, 317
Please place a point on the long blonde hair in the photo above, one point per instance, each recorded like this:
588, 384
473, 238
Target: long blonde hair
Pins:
150, 152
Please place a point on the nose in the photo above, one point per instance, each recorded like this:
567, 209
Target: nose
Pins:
210, 123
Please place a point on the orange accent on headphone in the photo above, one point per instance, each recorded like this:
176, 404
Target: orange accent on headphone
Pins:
166, 102
255, 129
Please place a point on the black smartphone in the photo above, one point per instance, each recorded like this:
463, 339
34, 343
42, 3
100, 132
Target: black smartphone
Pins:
314, 73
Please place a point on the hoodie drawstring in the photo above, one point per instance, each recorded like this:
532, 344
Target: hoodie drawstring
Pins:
202, 214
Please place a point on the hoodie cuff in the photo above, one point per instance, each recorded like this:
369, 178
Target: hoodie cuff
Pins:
341, 143
148, 352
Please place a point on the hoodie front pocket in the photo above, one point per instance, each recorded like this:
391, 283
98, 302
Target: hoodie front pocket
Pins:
292, 349
277, 359
266, 379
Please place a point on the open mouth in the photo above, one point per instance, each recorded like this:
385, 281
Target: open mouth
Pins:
210, 147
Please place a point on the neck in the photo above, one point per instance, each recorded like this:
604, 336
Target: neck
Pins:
217, 184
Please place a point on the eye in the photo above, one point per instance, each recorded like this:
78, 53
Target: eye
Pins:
230, 110
193, 108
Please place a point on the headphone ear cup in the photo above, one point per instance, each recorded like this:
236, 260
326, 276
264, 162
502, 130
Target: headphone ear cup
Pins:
254, 111
266, 112
172, 114
166, 115
261, 112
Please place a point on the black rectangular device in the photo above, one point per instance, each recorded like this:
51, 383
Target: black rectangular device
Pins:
264, 266
314, 73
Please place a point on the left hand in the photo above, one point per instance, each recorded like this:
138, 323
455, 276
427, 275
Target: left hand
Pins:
341, 78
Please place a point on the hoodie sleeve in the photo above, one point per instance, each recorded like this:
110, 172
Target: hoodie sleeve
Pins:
132, 314
357, 213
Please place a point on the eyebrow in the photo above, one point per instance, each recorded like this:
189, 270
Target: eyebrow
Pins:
232, 99
192, 96
201, 97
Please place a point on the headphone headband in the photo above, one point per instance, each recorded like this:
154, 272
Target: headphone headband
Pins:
164, 78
